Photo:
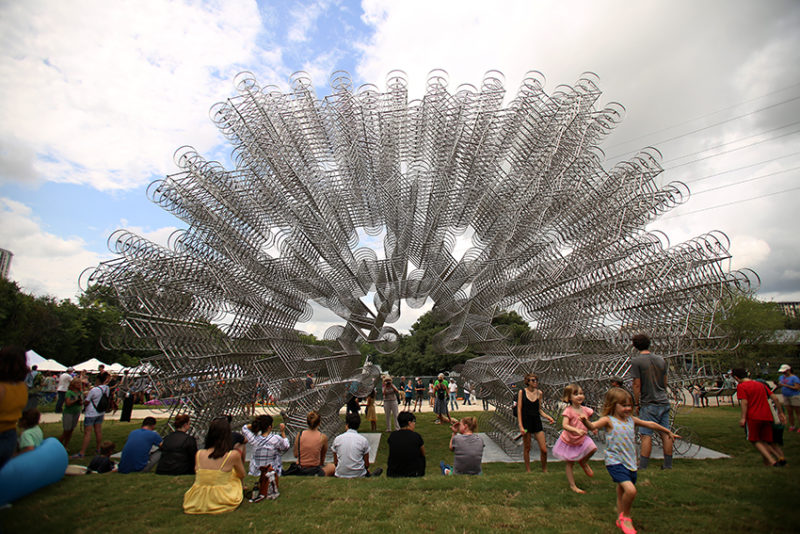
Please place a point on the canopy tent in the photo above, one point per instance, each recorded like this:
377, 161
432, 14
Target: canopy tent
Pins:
52, 365
35, 359
90, 365
115, 368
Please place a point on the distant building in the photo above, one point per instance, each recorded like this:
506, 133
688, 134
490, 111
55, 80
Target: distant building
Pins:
789, 309
5, 262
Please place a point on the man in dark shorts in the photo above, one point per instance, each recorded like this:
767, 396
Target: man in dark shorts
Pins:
649, 373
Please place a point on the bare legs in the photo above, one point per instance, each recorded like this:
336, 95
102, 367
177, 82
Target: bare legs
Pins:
626, 493
647, 445
526, 453
87, 436
584, 463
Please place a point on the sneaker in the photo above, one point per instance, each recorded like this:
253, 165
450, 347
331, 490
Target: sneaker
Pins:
75, 456
782, 462
791, 429
260, 497
377, 472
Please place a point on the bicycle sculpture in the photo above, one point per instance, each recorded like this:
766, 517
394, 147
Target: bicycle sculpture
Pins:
366, 196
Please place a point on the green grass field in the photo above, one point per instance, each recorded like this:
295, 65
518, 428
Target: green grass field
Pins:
731, 495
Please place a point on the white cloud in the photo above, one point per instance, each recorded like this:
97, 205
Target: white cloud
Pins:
102, 93
305, 17
670, 64
43, 263
749, 252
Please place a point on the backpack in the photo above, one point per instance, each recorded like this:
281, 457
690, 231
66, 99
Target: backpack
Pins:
104, 403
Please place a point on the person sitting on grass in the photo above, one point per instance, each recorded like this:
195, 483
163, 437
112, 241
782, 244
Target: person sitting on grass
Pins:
136, 454
406, 449
102, 463
310, 448
219, 471
178, 450
351, 451
267, 447
32, 435
468, 449
13, 397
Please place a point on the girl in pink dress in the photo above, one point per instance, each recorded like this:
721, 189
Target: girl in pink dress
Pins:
574, 445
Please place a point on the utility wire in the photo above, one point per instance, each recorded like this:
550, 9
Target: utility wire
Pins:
741, 168
737, 117
729, 203
745, 181
702, 116
736, 141
729, 151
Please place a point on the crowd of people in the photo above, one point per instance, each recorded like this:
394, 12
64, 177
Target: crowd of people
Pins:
219, 467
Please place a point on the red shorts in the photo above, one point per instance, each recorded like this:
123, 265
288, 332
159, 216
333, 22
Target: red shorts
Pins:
759, 430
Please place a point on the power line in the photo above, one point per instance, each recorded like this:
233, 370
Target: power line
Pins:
729, 151
741, 168
745, 181
737, 117
703, 116
737, 141
729, 203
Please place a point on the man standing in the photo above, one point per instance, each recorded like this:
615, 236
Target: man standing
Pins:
351, 451
61, 390
790, 389
453, 387
136, 456
650, 392
756, 415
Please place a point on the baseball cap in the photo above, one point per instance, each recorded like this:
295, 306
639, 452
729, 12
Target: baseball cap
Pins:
783, 368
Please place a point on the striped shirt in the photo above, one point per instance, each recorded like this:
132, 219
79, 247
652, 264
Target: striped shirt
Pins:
267, 450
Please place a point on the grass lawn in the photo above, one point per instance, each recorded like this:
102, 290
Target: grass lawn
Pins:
732, 495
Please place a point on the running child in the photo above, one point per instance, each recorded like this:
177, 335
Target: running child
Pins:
620, 459
574, 445
529, 417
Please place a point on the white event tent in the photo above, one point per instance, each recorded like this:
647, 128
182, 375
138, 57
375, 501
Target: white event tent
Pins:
42, 363
90, 366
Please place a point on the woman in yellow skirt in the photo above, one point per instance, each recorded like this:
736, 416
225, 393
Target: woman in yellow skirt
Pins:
219, 470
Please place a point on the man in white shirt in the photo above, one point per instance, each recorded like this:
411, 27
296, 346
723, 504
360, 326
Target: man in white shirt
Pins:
63, 386
453, 388
351, 451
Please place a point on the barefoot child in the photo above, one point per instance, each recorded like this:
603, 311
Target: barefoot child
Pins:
529, 417
621, 449
574, 445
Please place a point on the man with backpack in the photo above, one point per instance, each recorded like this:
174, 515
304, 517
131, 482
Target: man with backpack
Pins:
97, 402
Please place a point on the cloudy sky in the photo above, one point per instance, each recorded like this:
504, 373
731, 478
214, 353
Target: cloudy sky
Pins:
96, 96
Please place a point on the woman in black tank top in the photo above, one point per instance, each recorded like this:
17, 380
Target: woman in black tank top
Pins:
529, 416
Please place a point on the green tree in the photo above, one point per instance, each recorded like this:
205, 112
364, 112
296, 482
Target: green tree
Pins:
753, 323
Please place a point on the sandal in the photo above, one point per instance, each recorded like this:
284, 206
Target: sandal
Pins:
625, 524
